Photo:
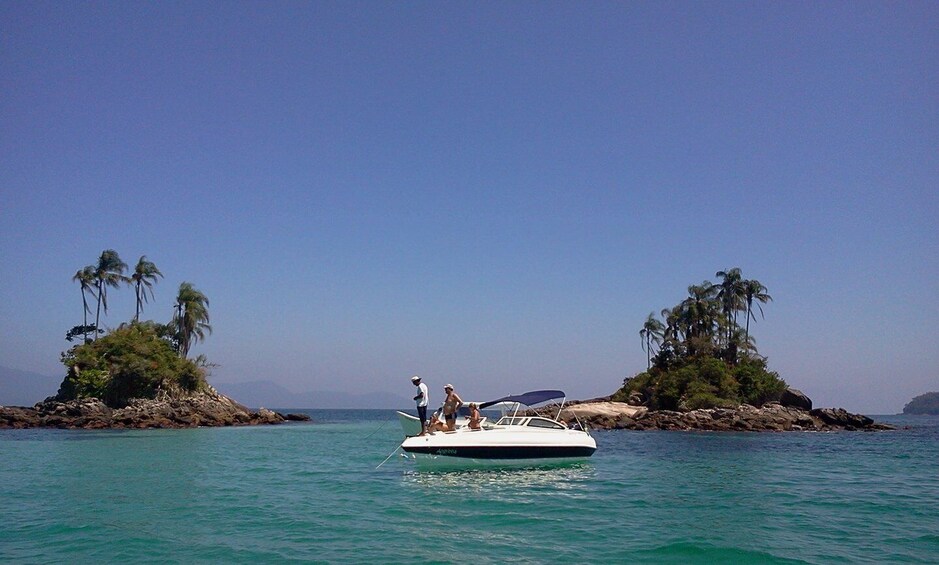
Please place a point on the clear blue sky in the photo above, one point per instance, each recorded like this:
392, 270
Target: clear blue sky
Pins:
494, 194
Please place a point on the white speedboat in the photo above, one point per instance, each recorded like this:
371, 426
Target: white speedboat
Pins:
515, 439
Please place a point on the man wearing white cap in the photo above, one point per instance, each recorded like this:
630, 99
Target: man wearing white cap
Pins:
451, 406
421, 399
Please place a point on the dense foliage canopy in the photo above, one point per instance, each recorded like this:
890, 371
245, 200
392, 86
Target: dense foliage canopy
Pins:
923, 404
136, 360
700, 356
704, 382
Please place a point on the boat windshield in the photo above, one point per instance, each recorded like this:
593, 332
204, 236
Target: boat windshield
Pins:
544, 423
531, 422
511, 421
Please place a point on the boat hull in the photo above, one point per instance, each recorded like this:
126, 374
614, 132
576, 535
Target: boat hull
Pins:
503, 446
505, 451
410, 425
426, 461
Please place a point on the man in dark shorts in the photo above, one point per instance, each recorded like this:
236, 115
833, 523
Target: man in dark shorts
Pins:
421, 400
451, 406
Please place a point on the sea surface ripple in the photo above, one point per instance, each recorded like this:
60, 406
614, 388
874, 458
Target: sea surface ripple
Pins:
312, 493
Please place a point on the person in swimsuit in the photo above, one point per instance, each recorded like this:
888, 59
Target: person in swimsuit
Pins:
474, 417
450, 407
436, 424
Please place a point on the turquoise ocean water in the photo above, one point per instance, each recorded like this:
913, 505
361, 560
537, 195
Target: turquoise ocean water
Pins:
312, 493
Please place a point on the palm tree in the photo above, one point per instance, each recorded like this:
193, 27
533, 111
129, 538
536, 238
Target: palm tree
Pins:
192, 317
754, 290
731, 294
145, 274
745, 342
738, 341
108, 273
86, 278
699, 312
652, 331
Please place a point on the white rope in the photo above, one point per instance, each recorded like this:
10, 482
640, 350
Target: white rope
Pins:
376, 431
389, 457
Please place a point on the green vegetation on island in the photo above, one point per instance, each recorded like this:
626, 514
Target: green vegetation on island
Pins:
138, 359
701, 356
923, 404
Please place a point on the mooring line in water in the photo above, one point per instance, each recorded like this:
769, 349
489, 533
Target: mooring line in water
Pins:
376, 431
389, 457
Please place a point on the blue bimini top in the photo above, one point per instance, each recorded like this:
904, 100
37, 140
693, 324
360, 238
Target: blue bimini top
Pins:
528, 398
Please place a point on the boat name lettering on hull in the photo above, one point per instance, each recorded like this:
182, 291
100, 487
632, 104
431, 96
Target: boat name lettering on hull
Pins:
505, 452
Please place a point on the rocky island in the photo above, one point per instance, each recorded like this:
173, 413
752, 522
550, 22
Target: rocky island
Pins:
927, 403
206, 408
138, 375
704, 372
770, 417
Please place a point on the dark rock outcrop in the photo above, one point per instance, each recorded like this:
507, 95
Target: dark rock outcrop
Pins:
202, 409
796, 399
842, 418
770, 417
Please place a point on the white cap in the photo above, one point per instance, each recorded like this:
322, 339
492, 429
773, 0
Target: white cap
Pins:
415, 378
448, 385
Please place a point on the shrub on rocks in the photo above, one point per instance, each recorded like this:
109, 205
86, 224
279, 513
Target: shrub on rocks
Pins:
133, 361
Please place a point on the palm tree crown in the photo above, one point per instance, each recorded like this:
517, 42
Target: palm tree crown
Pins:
86, 278
699, 312
652, 332
730, 294
705, 322
108, 273
754, 290
145, 274
191, 318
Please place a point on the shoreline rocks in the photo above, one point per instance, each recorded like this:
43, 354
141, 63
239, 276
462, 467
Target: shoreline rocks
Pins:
210, 409
771, 417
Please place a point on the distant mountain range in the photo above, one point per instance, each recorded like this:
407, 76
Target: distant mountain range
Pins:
272, 395
25, 388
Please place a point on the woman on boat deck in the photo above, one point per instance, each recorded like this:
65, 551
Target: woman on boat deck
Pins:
474, 418
436, 424
450, 406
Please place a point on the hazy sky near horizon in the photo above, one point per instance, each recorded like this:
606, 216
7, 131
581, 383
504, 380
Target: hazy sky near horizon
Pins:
494, 194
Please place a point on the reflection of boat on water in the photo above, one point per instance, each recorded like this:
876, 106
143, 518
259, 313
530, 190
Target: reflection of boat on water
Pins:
515, 439
511, 484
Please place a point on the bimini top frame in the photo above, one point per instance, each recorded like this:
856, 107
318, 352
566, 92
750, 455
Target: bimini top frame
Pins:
530, 399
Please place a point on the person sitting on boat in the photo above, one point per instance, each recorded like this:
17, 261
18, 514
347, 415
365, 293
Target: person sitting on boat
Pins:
436, 423
474, 417
450, 406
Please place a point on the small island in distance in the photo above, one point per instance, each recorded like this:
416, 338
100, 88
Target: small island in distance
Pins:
139, 374
703, 370
927, 403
